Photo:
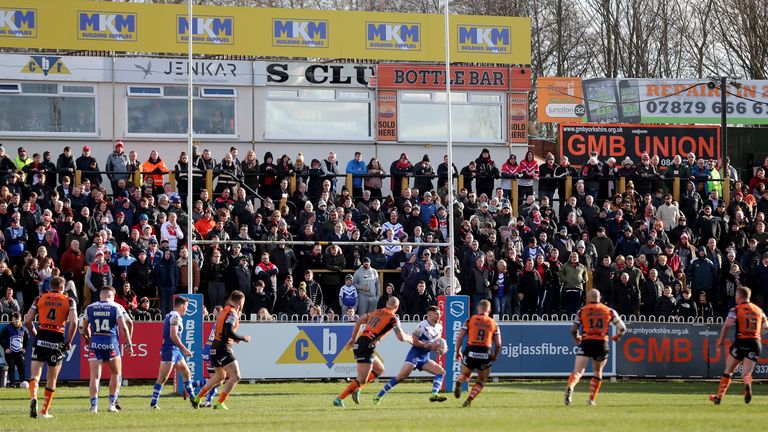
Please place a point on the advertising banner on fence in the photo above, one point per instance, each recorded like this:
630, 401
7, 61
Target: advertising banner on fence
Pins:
577, 141
194, 334
311, 350
676, 350
454, 311
268, 32
539, 349
614, 100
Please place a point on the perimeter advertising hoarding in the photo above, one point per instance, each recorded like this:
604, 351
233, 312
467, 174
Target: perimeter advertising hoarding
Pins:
267, 32
676, 350
616, 100
577, 141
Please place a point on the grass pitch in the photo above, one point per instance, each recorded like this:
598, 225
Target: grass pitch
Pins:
529, 406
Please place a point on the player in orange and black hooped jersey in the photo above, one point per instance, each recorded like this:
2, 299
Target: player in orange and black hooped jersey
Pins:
590, 331
482, 334
222, 357
377, 325
57, 318
750, 323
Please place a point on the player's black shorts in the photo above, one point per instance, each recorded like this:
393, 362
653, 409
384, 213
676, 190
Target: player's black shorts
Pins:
746, 348
222, 356
594, 349
48, 348
477, 358
363, 350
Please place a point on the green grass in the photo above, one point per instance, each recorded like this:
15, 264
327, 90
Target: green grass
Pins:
528, 406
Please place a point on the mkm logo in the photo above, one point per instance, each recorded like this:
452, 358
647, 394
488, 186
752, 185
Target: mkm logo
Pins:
393, 36
46, 65
206, 29
18, 23
97, 25
319, 344
300, 33
484, 39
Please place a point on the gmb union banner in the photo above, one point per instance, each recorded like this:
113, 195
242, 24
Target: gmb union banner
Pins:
633, 100
577, 141
676, 350
266, 32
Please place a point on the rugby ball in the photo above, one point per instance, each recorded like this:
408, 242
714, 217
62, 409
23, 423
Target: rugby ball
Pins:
442, 347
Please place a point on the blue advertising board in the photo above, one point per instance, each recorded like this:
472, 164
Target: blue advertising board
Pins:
193, 336
540, 349
454, 311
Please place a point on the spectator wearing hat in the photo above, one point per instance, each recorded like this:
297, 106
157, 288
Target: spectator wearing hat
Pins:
442, 173
366, 281
145, 312
117, 165
299, 303
22, 159
701, 273
97, 275
487, 172
399, 169
166, 275
707, 226
547, 182
564, 243
348, 295
424, 172
89, 167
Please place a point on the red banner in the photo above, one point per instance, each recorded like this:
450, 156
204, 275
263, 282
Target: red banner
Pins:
412, 76
147, 341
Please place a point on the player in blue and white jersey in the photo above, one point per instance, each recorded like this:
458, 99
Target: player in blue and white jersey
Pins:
426, 338
104, 322
173, 353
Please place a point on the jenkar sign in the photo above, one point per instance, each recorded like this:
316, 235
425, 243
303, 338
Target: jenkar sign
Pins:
176, 71
632, 140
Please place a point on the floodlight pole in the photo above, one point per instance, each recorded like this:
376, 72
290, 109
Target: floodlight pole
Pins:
190, 159
450, 196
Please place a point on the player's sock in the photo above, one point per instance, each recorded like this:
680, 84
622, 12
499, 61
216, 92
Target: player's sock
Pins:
388, 386
437, 384
725, 381
211, 394
189, 389
371, 377
573, 379
198, 383
48, 399
156, 390
747, 379
351, 387
223, 397
94, 402
33, 384
594, 387
461, 378
476, 389
113, 397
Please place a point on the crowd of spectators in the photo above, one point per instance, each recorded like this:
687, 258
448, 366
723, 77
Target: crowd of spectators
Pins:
646, 252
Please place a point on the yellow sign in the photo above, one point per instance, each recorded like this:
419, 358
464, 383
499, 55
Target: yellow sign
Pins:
264, 32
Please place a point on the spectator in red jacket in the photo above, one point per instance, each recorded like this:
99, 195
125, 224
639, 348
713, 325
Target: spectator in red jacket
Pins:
72, 263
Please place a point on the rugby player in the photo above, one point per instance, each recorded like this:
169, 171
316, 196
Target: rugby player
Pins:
103, 323
173, 352
482, 333
750, 323
56, 312
224, 363
198, 385
426, 338
377, 325
594, 320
